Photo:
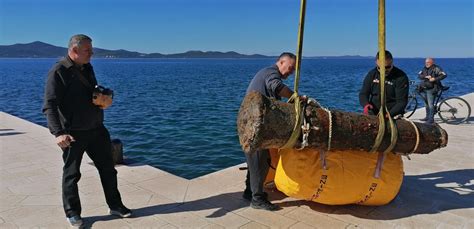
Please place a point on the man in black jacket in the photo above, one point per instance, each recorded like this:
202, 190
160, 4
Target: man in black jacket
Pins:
78, 126
430, 76
396, 89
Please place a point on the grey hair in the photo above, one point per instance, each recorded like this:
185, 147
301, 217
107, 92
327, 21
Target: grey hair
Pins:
77, 40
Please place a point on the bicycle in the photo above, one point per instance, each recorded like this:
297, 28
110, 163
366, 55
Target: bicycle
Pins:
451, 110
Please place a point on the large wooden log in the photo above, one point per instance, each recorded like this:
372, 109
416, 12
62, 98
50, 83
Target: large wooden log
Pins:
265, 123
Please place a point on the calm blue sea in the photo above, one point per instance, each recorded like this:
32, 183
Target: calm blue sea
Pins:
179, 114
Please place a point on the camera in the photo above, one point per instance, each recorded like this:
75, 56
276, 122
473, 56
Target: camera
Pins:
102, 97
102, 90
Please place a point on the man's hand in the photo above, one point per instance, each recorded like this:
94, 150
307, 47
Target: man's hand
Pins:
303, 98
430, 78
368, 107
102, 101
64, 140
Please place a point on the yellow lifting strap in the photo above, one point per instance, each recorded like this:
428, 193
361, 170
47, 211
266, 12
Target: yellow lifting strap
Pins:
295, 97
383, 108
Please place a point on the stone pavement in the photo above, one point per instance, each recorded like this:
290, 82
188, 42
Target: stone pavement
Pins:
437, 191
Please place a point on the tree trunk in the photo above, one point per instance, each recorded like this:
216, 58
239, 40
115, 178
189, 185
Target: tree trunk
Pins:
265, 123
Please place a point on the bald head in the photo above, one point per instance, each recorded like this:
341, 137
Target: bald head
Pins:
428, 62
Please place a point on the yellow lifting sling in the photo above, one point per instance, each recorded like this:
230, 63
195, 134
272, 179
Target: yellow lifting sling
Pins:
341, 177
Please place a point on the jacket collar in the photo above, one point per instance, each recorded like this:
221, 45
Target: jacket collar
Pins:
68, 63
431, 67
387, 76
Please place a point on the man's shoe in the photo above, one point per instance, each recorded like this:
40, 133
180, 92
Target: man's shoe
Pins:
75, 221
122, 212
424, 119
264, 204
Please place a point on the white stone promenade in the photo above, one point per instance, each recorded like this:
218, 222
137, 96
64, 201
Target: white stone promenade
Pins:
437, 191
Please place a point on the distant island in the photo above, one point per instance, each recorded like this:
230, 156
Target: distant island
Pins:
40, 49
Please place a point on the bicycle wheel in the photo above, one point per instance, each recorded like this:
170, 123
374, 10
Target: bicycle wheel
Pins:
454, 110
411, 105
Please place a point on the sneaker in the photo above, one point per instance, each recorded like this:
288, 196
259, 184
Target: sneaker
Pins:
424, 119
264, 204
122, 212
429, 121
75, 221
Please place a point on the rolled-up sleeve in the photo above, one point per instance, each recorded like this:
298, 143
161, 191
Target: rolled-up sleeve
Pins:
54, 92
274, 83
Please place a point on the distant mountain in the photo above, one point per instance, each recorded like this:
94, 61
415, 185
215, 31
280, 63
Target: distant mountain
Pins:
201, 54
40, 49
341, 57
34, 49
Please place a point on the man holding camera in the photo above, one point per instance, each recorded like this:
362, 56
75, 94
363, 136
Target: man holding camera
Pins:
430, 76
74, 109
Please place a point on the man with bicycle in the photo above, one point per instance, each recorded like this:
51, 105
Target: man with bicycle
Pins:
430, 76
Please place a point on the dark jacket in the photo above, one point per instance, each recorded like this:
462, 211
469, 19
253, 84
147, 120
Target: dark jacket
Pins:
268, 82
434, 71
68, 101
396, 91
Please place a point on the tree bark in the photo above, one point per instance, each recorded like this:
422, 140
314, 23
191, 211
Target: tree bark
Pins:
265, 123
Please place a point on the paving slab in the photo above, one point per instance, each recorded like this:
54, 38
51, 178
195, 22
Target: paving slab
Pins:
437, 191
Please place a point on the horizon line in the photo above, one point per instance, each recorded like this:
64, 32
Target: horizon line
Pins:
197, 50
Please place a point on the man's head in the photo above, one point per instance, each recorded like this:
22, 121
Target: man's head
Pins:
286, 64
80, 49
388, 61
428, 62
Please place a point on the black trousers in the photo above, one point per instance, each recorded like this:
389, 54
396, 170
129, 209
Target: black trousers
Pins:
257, 163
97, 145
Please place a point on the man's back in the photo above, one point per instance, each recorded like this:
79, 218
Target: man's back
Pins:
268, 82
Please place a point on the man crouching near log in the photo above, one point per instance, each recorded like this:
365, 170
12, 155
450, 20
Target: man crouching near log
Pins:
268, 82
396, 88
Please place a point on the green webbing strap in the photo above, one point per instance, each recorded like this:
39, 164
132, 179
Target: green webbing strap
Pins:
384, 110
295, 97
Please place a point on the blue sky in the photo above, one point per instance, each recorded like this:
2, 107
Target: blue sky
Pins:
415, 28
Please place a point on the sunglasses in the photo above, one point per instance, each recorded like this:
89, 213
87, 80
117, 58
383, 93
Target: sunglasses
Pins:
387, 67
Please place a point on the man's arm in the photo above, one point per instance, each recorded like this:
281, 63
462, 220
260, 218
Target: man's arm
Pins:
401, 96
285, 92
364, 92
54, 92
274, 83
421, 75
439, 74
